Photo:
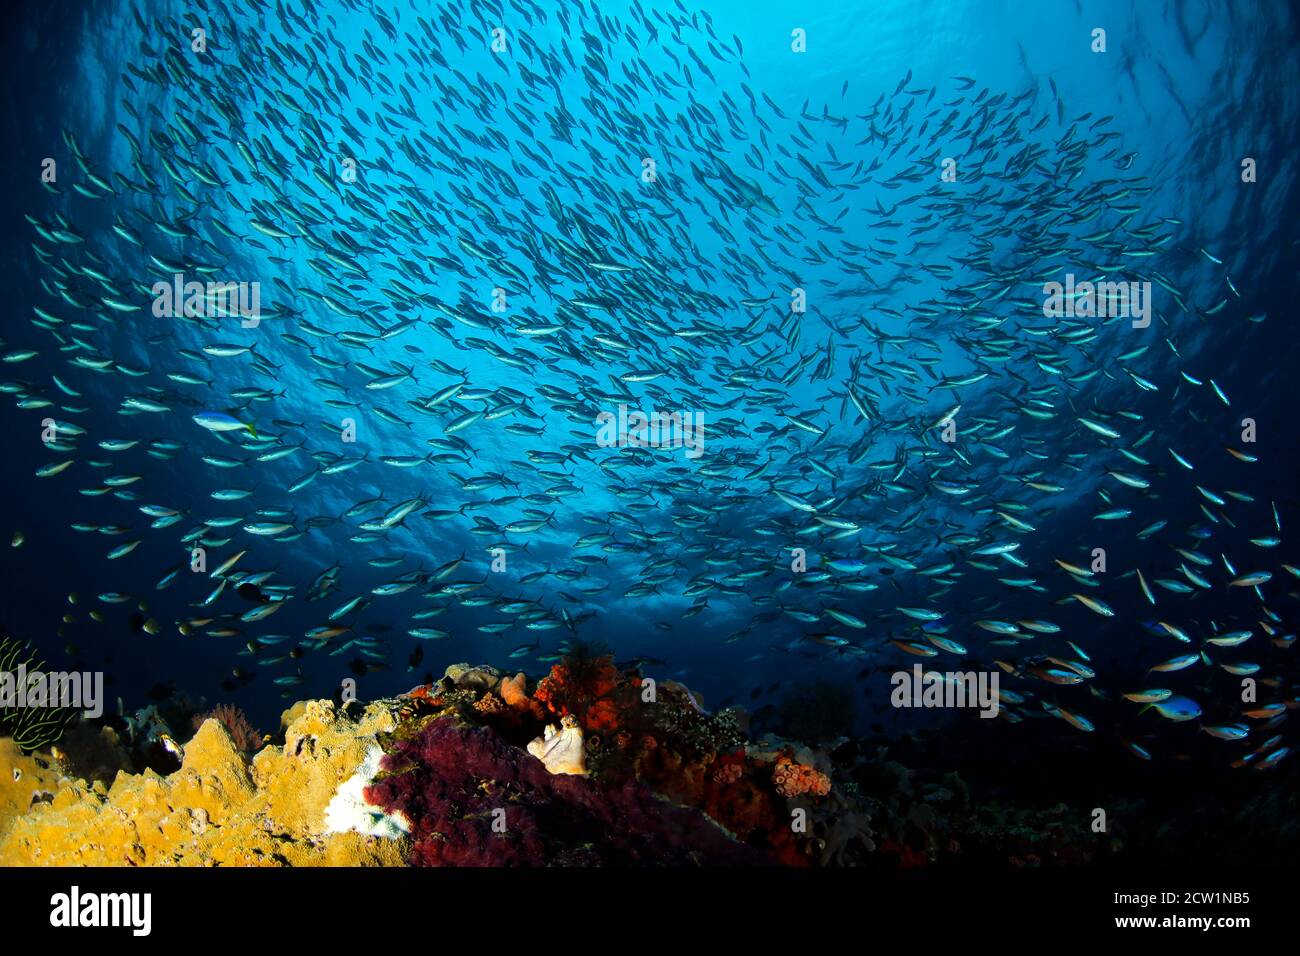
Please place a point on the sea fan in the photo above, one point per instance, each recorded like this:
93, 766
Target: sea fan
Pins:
32, 728
246, 737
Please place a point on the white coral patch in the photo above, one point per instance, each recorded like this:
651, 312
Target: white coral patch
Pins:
348, 811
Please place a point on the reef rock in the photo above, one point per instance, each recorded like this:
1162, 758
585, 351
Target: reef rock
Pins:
561, 750
25, 780
473, 677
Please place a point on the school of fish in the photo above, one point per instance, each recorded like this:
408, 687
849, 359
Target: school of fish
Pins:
472, 241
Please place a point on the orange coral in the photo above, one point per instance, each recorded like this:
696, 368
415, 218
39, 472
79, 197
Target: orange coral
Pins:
585, 689
793, 779
602, 715
514, 691
489, 703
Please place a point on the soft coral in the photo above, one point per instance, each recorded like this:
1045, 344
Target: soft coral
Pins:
589, 687
474, 800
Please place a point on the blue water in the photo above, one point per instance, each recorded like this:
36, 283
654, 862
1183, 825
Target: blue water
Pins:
1190, 90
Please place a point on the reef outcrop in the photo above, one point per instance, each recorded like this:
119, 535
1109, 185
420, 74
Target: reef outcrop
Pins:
591, 764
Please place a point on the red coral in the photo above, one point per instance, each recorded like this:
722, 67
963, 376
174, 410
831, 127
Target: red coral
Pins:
474, 800
246, 737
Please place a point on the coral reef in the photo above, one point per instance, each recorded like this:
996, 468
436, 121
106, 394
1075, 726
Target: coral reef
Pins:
592, 764
218, 808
